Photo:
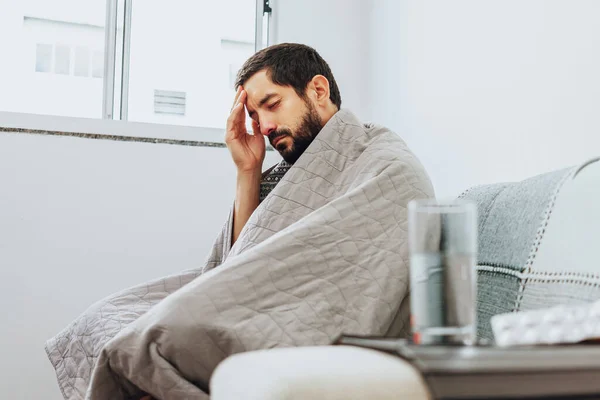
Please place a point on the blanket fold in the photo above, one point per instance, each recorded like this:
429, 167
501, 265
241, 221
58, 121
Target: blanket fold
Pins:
324, 253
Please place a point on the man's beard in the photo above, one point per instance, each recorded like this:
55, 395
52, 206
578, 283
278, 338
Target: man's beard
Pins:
309, 128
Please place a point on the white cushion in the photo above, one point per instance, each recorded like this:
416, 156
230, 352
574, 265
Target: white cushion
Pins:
570, 243
563, 268
326, 372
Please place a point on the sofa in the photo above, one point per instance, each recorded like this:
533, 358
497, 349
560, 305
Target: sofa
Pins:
538, 246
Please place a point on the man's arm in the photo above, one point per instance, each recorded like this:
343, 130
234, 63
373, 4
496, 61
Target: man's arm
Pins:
246, 200
248, 153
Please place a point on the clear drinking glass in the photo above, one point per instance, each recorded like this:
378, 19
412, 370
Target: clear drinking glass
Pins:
443, 256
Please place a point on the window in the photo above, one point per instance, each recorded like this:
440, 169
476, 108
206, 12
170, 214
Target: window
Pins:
173, 64
65, 64
45, 41
196, 51
98, 64
62, 60
43, 58
82, 61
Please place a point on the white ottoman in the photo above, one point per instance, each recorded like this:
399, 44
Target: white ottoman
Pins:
327, 372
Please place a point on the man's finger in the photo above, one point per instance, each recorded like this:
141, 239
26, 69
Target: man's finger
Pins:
241, 100
237, 94
242, 97
236, 115
236, 123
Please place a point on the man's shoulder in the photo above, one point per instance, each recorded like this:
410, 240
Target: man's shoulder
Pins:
379, 133
347, 117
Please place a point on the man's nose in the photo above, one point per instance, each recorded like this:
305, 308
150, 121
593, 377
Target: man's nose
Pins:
266, 127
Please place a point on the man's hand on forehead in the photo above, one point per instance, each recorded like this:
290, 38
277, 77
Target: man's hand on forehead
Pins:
241, 96
247, 150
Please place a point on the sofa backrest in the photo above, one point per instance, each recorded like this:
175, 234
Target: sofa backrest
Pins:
536, 242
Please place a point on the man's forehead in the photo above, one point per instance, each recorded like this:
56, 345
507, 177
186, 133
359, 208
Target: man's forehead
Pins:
258, 86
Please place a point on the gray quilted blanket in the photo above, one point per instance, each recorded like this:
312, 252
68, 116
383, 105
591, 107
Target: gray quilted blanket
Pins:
324, 253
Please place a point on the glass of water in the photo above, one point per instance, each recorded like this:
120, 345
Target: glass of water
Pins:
443, 256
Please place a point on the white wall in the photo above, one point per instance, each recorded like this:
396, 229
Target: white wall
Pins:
339, 31
82, 218
488, 90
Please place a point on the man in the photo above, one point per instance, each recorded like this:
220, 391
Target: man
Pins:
314, 247
290, 94
292, 89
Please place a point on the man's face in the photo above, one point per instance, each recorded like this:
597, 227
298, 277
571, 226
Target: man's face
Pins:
290, 122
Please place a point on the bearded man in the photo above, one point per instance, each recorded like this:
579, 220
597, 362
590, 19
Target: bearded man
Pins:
313, 247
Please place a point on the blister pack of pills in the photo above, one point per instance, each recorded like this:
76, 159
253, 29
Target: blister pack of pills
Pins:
561, 324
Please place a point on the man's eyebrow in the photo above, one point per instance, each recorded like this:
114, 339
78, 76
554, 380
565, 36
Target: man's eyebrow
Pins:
261, 103
266, 98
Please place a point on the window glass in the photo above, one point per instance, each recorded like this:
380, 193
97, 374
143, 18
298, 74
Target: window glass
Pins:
49, 45
192, 55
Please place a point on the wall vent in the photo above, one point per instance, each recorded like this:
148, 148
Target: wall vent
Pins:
169, 102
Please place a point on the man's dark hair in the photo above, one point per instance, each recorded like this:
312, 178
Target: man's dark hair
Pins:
290, 64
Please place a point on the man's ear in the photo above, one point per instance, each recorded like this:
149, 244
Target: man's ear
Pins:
319, 86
